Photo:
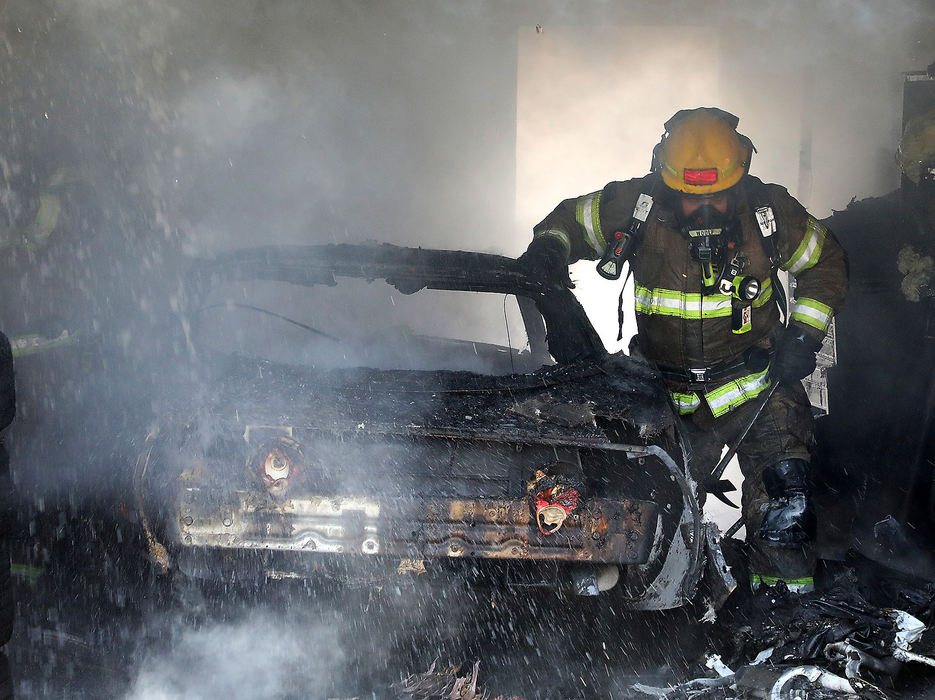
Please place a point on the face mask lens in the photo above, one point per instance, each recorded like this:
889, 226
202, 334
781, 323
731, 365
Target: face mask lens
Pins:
705, 217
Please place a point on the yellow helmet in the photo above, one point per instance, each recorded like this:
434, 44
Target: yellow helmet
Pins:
702, 152
916, 152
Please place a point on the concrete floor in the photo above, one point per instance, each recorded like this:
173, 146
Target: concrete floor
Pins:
93, 622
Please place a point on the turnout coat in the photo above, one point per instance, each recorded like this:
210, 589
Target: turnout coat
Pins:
693, 336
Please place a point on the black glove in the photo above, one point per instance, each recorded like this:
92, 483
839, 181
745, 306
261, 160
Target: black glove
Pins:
795, 355
789, 518
546, 260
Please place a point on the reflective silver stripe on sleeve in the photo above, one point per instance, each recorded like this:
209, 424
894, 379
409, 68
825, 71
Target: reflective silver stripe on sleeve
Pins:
587, 213
809, 250
812, 313
556, 233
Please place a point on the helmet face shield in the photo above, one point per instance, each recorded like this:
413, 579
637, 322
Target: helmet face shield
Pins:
694, 210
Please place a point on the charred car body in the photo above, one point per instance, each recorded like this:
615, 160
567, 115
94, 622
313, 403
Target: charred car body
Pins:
317, 444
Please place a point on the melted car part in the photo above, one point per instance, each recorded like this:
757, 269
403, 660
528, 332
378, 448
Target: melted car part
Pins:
278, 463
554, 493
601, 531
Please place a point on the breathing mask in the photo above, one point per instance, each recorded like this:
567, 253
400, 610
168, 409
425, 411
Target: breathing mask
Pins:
711, 234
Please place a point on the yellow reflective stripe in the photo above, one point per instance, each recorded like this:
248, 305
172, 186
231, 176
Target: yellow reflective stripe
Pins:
557, 234
809, 250
686, 403
812, 312
47, 217
28, 344
587, 213
667, 302
31, 573
729, 168
800, 585
736, 392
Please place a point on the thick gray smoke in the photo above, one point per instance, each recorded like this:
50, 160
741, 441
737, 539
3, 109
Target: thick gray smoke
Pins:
223, 124
195, 127
247, 121
249, 658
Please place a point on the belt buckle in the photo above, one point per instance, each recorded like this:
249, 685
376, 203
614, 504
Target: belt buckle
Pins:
699, 376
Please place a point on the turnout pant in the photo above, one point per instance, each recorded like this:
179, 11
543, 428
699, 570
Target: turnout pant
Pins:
783, 430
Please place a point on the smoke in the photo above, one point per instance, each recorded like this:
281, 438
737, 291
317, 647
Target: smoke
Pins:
388, 329
250, 657
341, 121
207, 126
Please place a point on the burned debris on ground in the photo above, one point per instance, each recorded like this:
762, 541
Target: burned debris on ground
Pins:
865, 633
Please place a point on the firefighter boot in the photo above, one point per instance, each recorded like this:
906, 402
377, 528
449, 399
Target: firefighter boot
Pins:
789, 518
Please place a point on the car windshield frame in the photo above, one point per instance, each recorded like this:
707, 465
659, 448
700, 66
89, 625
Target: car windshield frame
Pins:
556, 324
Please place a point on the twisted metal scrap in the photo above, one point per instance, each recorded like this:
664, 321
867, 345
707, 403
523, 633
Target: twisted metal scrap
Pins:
441, 685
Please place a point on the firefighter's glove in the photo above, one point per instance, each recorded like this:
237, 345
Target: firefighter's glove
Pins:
788, 518
795, 355
546, 261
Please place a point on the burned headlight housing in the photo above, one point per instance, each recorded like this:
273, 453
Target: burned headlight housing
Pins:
278, 463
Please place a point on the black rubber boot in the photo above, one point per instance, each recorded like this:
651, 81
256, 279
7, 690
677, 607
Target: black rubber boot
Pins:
789, 519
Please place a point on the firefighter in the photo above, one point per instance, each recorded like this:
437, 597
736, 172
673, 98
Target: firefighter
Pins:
44, 232
876, 458
32, 222
705, 241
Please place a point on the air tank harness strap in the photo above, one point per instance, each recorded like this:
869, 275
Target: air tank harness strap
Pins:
766, 220
624, 244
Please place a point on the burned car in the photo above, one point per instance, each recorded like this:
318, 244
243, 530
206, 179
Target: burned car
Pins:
483, 431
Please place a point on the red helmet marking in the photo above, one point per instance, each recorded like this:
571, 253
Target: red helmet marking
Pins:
706, 176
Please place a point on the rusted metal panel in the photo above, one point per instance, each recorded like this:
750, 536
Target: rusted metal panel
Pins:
601, 530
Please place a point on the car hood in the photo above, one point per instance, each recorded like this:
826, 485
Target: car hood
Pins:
311, 265
569, 402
